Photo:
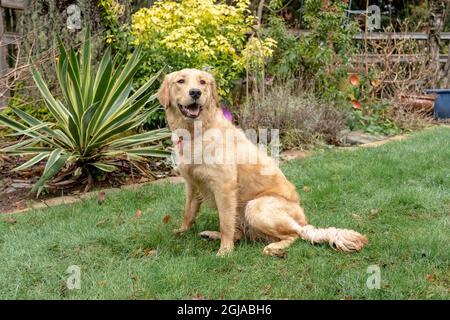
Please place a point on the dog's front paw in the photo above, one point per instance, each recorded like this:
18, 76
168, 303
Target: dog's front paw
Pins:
224, 251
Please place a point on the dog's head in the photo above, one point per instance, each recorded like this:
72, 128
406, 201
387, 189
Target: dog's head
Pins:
188, 93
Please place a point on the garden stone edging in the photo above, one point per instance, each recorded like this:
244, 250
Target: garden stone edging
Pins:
285, 156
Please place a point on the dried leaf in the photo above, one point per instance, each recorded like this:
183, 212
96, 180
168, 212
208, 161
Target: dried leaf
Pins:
102, 283
19, 205
63, 288
135, 278
138, 214
101, 197
430, 277
101, 222
150, 252
198, 296
10, 220
166, 219
375, 82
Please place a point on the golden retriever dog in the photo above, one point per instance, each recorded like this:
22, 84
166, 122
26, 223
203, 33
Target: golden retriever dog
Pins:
224, 168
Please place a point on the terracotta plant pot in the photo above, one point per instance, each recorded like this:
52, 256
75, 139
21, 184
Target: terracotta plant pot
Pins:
420, 103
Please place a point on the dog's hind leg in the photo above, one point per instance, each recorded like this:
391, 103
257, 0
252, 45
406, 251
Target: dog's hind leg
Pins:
273, 216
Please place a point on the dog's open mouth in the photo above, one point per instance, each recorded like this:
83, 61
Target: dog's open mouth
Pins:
191, 111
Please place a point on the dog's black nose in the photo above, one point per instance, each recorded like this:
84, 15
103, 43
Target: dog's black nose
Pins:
195, 93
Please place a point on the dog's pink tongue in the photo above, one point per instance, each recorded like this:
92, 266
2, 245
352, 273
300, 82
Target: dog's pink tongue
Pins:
194, 111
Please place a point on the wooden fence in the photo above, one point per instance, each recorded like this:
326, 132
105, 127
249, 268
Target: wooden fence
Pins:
7, 38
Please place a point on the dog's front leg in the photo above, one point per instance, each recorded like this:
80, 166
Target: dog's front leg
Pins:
226, 201
191, 208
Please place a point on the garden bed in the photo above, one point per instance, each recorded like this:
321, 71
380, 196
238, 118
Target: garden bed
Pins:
15, 186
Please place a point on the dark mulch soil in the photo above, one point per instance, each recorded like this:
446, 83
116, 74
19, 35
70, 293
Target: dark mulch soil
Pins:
15, 187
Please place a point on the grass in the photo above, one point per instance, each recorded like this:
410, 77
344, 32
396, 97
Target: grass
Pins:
397, 194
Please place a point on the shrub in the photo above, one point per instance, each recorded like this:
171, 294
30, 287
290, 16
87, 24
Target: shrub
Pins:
197, 34
116, 23
92, 130
373, 119
302, 120
320, 59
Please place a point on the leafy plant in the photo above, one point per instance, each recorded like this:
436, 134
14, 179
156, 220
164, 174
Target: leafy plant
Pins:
319, 59
117, 32
94, 118
373, 119
369, 114
198, 34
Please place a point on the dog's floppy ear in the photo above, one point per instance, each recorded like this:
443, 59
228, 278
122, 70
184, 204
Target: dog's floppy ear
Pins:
164, 92
213, 88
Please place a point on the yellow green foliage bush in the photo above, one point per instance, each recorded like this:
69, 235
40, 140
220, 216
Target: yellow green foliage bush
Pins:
200, 34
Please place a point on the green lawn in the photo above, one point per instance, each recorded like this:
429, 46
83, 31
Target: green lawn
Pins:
397, 194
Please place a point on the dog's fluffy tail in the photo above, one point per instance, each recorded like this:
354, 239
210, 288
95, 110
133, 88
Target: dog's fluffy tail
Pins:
339, 239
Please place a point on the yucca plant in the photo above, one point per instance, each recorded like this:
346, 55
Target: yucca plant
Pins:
94, 119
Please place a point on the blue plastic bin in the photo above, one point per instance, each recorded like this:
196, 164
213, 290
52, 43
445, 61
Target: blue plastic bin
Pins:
441, 103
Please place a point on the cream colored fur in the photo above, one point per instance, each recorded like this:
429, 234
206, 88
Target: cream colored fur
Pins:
254, 200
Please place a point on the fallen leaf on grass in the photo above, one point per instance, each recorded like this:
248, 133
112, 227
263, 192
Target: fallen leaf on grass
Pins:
138, 214
101, 197
101, 222
198, 296
102, 283
166, 219
135, 278
10, 220
63, 288
147, 252
306, 189
150, 252
430, 277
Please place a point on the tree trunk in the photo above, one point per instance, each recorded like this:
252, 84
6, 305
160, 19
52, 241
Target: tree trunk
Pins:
260, 11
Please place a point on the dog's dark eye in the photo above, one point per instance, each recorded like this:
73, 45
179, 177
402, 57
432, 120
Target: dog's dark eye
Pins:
181, 81
202, 82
